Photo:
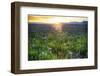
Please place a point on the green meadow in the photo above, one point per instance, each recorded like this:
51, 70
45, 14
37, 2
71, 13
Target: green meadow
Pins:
49, 45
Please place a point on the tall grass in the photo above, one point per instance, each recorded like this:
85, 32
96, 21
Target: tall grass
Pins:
47, 45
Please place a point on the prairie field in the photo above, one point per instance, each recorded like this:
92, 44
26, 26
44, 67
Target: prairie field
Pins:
69, 41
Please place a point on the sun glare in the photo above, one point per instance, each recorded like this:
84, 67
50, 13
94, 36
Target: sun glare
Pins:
57, 26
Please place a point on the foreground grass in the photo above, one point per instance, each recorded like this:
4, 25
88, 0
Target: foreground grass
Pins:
49, 45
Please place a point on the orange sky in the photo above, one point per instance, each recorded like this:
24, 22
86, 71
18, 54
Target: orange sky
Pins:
54, 19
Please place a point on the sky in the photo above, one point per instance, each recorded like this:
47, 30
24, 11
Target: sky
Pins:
54, 19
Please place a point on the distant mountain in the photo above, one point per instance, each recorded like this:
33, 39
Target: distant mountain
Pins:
33, 27
83, 22
78, 25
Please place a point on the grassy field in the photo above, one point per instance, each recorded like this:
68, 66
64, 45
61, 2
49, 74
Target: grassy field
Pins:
49, 45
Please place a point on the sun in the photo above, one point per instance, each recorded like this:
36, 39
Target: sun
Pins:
57, 26
57, 22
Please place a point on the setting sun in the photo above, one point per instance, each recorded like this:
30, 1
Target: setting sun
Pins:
56, 21
57, 26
